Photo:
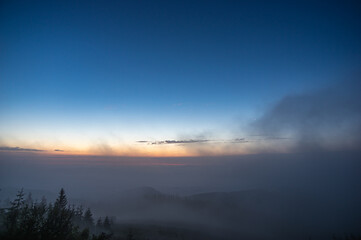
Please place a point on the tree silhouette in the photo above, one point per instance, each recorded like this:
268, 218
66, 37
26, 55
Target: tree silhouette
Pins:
88, 218
107, 224
59, 221
39, 221
12, 219
61, 201
99, 223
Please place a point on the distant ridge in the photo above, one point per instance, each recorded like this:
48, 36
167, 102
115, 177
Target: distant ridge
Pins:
144, 191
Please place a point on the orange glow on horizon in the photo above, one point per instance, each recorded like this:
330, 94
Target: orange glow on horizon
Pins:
140, 151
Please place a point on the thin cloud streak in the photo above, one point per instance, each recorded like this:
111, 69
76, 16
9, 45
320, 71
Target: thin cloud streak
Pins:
191, 141
19, 149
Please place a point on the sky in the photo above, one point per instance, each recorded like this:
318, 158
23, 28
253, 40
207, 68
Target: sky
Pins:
179, 78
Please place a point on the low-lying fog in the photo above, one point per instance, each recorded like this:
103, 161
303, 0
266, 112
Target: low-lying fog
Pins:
256, 196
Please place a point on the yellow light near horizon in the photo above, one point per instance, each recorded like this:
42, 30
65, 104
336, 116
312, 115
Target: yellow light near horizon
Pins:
87, 148
166, 150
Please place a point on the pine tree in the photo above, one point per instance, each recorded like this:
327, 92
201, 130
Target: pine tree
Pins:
78, 216
88, 218
13, 217
59, 221
106, 224
99, 223
19, 200
61, 201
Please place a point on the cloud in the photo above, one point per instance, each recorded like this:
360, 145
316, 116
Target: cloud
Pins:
18, 149
326, 119
265, 137
203, 147
193, 141
175, 141
58, 150
239, 140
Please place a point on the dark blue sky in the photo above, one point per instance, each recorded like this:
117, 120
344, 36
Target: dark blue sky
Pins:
122, 71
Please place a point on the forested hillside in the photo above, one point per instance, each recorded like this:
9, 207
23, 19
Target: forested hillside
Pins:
26, 219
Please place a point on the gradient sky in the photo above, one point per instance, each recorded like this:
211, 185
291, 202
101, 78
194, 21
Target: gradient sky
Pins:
183, 77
